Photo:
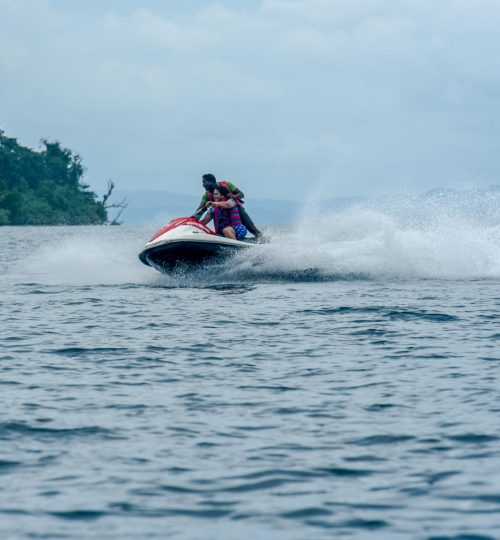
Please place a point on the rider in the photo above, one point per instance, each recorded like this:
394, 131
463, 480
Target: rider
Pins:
224, 211
209, 183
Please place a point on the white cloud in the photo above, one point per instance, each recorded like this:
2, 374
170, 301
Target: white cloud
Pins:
371, 94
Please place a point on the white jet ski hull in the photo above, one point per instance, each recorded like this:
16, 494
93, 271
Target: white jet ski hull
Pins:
186, 242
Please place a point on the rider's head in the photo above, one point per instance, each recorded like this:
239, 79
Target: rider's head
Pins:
220, 191
209, 182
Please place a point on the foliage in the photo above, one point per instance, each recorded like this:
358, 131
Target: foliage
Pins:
44, 187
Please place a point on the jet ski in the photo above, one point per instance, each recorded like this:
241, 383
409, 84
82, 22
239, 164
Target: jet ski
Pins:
185, 241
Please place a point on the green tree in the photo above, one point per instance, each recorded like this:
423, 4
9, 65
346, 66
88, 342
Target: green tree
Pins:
45, 187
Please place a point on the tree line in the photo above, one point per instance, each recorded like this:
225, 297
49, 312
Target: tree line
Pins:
45, 187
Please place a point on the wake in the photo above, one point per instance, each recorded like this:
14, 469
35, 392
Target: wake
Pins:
407, 239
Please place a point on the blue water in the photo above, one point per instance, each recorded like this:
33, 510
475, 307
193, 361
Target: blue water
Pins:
339, 387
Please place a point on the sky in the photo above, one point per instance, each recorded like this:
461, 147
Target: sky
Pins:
283, 97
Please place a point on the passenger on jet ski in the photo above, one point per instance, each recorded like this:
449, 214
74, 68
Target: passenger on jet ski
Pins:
209, 183
224, 211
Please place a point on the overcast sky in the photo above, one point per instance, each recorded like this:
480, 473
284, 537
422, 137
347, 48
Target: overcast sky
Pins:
281, 96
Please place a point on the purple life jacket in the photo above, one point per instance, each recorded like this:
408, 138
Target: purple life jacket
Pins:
226, 217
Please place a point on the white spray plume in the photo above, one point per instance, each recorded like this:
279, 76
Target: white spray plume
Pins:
437, 237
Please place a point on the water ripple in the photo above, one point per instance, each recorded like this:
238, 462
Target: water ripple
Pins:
306, 406
10, 430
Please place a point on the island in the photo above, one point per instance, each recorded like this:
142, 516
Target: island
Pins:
45, 187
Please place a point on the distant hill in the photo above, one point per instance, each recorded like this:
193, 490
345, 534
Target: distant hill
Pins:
159, 206
155, 206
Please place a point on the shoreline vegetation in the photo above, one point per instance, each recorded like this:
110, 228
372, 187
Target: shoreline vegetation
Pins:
45, 187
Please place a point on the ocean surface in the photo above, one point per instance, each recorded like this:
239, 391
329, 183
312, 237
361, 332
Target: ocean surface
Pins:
340, 382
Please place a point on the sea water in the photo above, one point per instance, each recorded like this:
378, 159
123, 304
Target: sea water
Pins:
341, 381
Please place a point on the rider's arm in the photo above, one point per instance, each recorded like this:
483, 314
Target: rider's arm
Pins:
224, 204
201, 207
238, 195
207, 219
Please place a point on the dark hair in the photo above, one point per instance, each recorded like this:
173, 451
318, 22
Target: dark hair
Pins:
209, 178
222, 190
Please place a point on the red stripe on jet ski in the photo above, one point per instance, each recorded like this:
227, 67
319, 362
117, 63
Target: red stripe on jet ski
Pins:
193, 222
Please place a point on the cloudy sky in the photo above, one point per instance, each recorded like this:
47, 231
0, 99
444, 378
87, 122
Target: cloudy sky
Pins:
282, 96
